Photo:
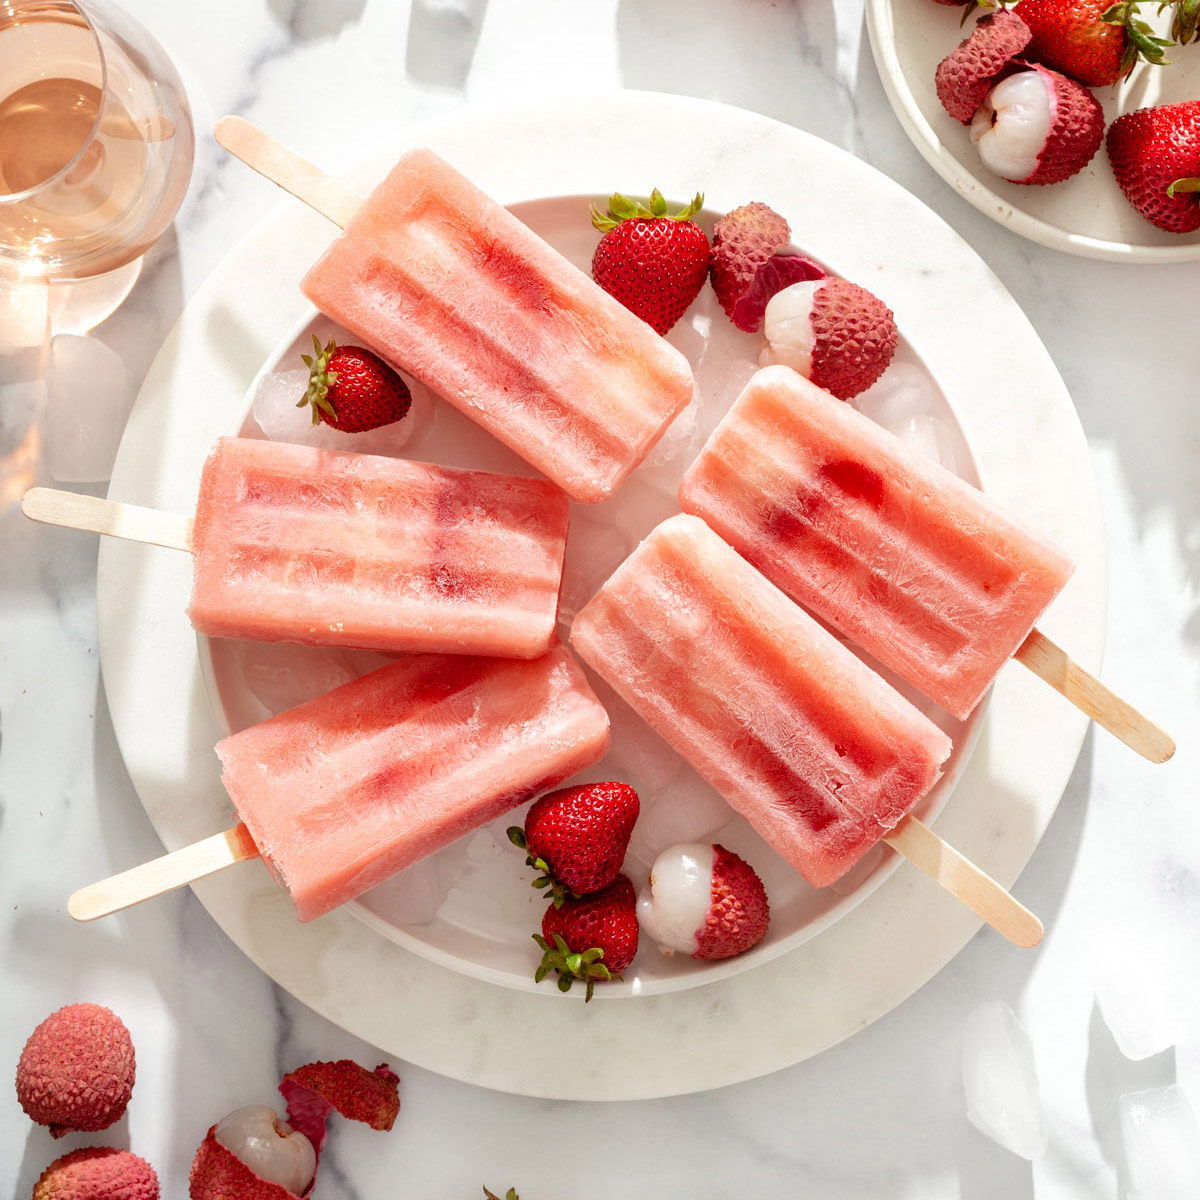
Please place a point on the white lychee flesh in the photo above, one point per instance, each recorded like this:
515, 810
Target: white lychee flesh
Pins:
1012, 125
787, 324
673, 906
269, 1146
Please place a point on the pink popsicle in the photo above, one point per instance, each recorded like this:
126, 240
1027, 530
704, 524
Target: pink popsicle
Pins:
321, 547
813, 748
342, 792
919, 568
449, 286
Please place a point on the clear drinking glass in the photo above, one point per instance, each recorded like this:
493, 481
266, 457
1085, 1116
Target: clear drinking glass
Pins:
96, 139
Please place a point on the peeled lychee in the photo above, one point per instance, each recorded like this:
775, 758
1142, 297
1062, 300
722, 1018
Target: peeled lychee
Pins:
97, 1173
966, 75
76, 1071
833, 332
269, 1146
218, 1174
748, 267
1037, 126
705, 901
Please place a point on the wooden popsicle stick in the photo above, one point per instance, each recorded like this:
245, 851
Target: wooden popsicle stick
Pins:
284, 167
163, 874
93, 514
1052, 664
965, 881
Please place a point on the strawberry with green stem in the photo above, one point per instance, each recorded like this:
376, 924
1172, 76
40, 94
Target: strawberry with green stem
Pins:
352, 389
591, 939
652, 261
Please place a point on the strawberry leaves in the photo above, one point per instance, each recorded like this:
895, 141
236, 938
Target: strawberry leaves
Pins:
320, 380
622, 208
585, 966
1140, 41
557, 892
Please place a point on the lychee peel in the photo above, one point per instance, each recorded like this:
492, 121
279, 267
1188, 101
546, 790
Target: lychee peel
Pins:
76, 1071
218, 1174
739, 913
747, 268
315, 1090
97, 1173
854, 338
965, 76
1076, 129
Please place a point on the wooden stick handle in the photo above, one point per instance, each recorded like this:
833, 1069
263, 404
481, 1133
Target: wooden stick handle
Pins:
163, 874
964, 880
284, 167
95, 515
1051, 663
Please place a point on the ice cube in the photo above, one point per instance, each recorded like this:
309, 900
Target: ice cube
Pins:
594, 551
902, 392
88, 397
1139, 1001
638, 754
1162, 1144
280, 676
686, 811
1000, 1080
275, 411
928, 436
412, 897
442, 36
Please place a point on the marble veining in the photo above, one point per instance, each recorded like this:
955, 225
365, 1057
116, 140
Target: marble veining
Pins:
877, 1116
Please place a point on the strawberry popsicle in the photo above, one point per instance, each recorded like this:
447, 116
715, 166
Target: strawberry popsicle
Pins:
322, 547
813, 748
897, 553
447, 285
357, 784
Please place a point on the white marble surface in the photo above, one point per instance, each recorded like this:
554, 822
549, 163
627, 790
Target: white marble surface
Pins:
1117, 877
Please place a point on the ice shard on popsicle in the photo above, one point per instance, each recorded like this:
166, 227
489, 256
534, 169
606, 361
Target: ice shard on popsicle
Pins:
344, 791
446, 284
897, 553
809, 744
322, 547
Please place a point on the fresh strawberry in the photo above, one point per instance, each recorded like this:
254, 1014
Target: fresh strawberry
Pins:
578, 836
654, 263
1095, 42
1155, 156
352, 389
593, 938
705, 901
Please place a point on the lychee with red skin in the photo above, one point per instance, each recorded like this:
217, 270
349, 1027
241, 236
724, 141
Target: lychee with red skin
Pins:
1037, 126
705, 901
965, 76
750, 263
831, 331
76, 1071
97, 1173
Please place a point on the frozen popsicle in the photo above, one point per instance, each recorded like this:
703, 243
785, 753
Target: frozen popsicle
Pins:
803, 739
922, 570
446, 284
322, 547
340, 793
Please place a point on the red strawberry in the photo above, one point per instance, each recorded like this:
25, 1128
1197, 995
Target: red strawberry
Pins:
1155, 155
705, 901
593, 938
352, 389
653, 263
1095, 42
578, 836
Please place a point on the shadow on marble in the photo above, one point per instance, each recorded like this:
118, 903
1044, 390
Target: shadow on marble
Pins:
1109, 1076
987, 1171
779, 59
311, 20
442, 36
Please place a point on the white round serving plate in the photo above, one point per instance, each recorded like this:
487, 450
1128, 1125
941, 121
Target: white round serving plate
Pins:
1014, 414
1085, 215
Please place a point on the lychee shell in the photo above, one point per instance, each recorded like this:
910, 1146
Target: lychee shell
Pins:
965, 76
739, 914
76, 1071
97, 1173
854, 338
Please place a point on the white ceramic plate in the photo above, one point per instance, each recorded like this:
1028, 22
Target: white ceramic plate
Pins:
1085, 215
1014, 414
